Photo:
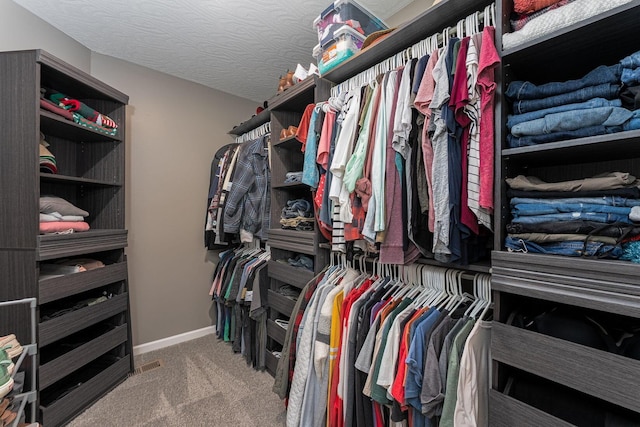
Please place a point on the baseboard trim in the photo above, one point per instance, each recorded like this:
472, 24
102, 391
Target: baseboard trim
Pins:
173, 340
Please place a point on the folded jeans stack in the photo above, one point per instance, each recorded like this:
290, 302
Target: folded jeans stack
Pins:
558, 111
302, 261
297, 215
630, 94
598, 216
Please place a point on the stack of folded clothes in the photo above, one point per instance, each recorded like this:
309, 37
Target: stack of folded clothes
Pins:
597, 216
79, 112
536, 18
58, 216
297, 215
588, 106
47, 159
302, 261
293, 177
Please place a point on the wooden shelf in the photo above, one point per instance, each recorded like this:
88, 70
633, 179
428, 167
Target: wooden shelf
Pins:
276, 332
604, 285
599, 373
65, 325
271, 361
57, 246
290, 143
482, 267
295, 98
63, 409
293, 240
64, 365
609, 34
505, 411
252, 123
291, 186
280, 303
70, 284
72, 180
294, 276
433, 20
602, 147
57, 75
55, 125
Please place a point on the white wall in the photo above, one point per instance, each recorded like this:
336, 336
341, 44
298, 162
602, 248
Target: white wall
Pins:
174, 127
20, 30
412, 10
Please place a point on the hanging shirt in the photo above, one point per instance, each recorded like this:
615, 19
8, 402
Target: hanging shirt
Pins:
440, 171
472, 109
472, 404
488, 61
344, 148
310, 174
354, 168
422, 104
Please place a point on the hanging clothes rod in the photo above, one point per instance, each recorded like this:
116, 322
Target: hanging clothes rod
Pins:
254, 133
465, 27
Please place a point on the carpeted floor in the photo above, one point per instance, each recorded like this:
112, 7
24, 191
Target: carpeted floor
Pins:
202, 383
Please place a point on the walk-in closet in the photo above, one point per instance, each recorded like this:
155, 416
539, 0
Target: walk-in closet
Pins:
418, 213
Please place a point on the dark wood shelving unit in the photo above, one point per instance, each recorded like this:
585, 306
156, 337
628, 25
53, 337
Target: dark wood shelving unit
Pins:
593, 287
252, 123
91, 167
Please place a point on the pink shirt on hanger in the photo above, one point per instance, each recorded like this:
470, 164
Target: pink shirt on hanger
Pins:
489, 60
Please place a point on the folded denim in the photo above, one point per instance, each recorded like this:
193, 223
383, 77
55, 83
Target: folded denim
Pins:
514, 119
605, 218
615, 230
567, 248
626, 192
605, 181
554, 238
631, 61
630, 76
606, 90
605, 200
519, 90
633, 123
526, 141
532, 209
301, 261
573, 120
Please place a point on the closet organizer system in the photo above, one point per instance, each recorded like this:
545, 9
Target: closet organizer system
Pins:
372, 348
82, 329
565, 330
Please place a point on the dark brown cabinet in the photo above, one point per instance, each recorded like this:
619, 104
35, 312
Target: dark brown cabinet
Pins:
601, 289
84, 350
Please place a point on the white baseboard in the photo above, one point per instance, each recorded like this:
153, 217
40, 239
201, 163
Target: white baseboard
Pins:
173, 340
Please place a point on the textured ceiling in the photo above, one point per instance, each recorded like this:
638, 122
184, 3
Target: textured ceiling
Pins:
236, 46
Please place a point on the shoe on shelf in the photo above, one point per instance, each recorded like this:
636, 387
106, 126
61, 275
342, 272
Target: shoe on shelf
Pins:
292, 130
281, 84
10, 344
8, 416
290, 80
6, 382
5, 357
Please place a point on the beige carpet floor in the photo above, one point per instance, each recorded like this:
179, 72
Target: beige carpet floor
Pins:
202, 383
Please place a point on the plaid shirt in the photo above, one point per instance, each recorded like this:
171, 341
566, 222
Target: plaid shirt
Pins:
248, 204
